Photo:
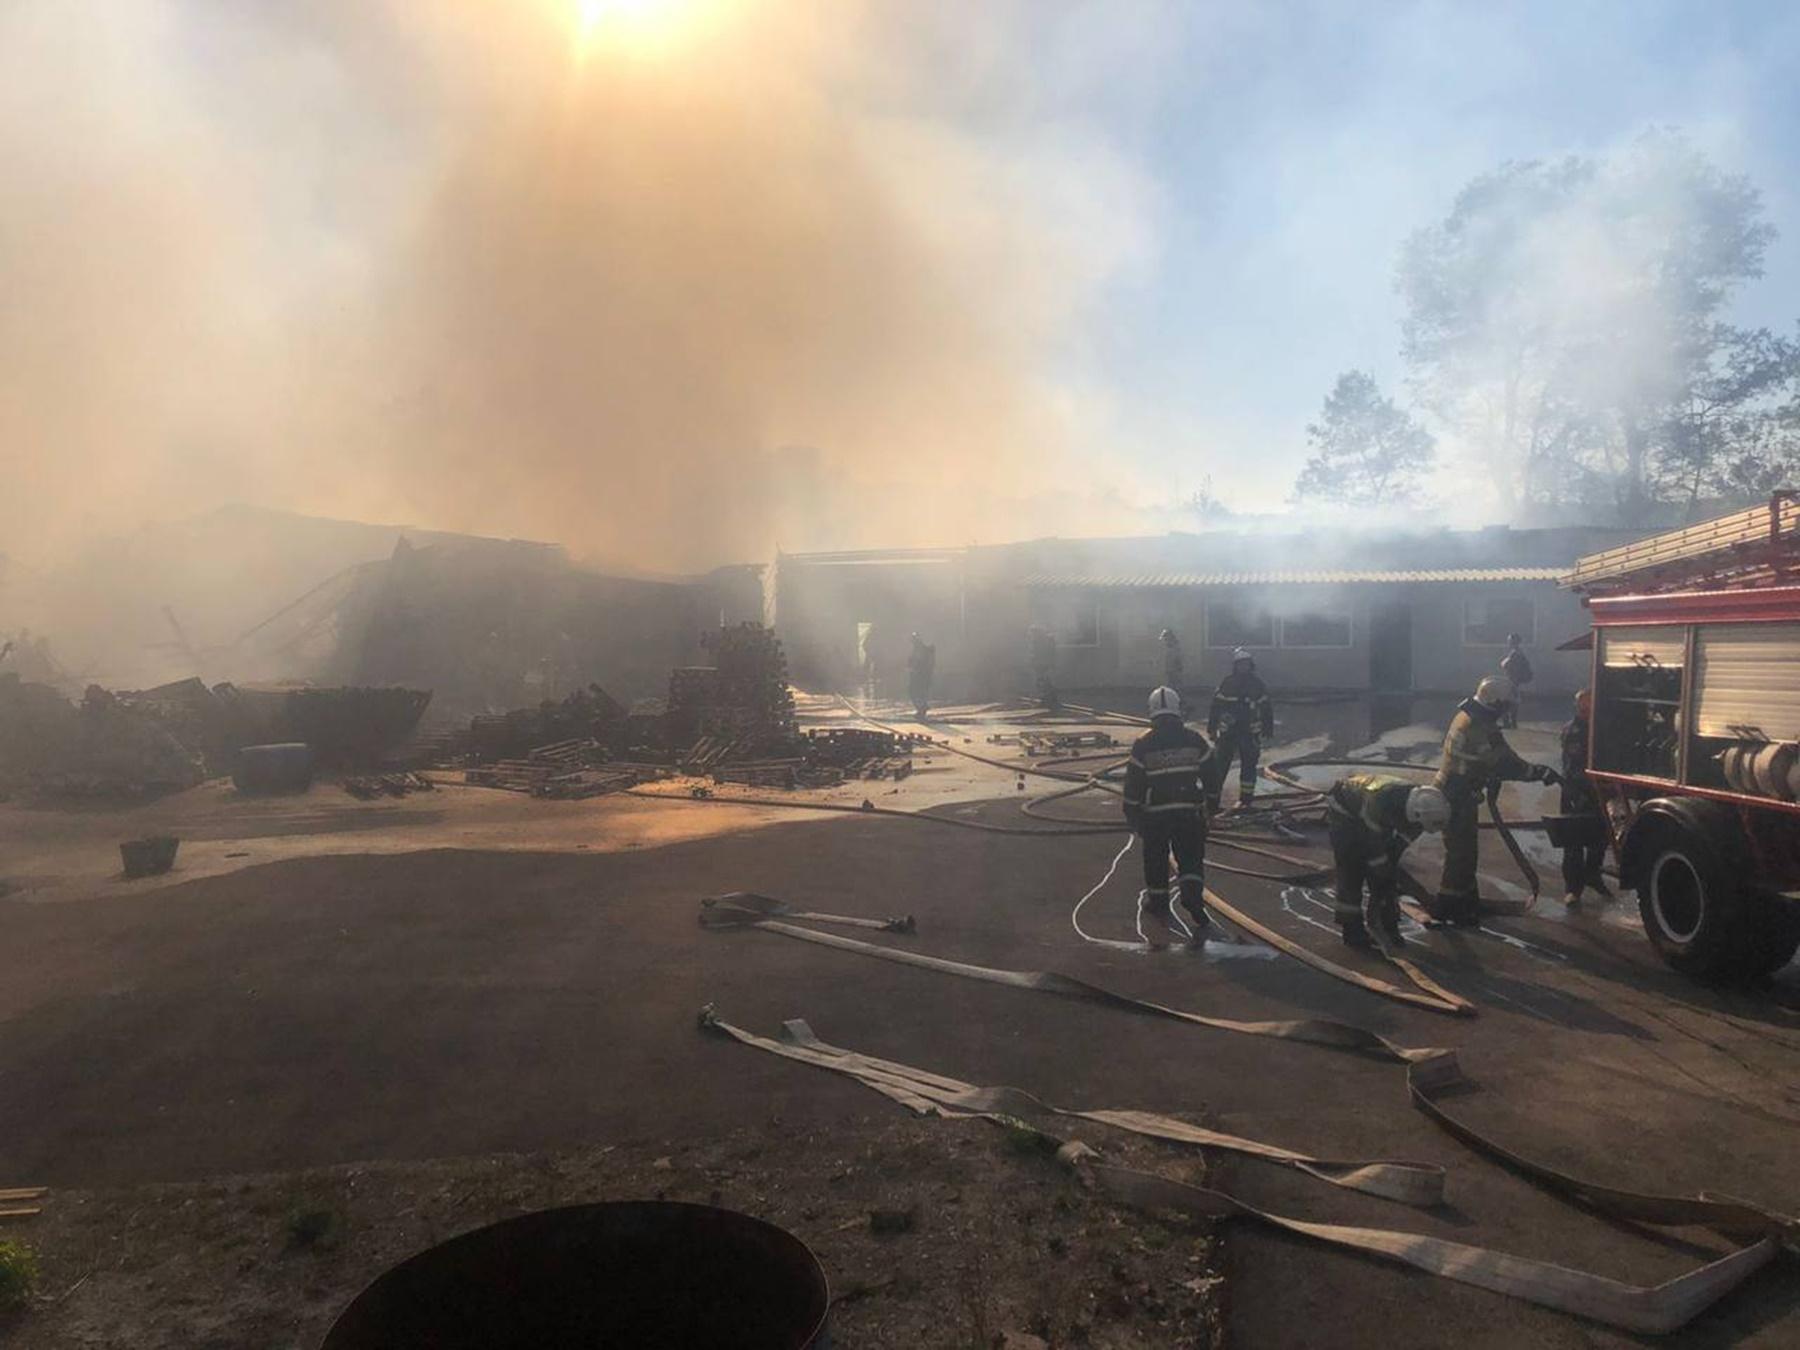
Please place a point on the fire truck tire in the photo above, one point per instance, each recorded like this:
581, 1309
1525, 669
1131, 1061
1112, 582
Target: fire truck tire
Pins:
1696, 917
1776, 926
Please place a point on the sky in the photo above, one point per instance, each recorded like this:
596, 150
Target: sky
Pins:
683, 281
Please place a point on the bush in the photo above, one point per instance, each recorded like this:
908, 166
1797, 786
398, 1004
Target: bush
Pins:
18, 1274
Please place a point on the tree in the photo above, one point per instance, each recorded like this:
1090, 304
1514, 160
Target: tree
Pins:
1563, 323
1365, 451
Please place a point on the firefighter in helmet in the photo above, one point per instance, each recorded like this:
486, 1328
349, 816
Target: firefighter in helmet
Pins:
1165, 805
1371, 819
1241, 719
1475, 756
1173, 671
1041, 644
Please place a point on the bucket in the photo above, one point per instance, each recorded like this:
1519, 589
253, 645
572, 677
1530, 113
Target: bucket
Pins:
284, 767
148, 857
630, 1273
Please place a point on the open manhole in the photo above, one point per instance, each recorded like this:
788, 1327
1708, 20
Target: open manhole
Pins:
626, 1274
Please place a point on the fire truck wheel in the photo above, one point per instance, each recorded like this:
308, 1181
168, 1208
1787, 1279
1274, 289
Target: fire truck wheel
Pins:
1776, 926
1694, 914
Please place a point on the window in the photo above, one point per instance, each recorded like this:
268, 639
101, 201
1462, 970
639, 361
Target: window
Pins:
1488, 619
1073, 618
1323, 628
1229, 624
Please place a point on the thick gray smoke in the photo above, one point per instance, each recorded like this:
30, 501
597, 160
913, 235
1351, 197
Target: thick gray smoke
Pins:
582, 272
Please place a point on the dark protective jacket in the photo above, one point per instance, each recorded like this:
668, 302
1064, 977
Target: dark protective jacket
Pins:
1164, 779
1043, 653
922, 661
1377, 803
1476, 754
1516, 666
1173, 671
1241, 701
1578, 792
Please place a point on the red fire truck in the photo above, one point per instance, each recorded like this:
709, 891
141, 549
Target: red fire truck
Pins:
1695, 744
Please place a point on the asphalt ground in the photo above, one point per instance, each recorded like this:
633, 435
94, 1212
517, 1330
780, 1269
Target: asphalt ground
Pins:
451, 1002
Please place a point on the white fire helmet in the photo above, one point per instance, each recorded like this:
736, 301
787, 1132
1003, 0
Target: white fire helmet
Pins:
1428, 807
1165, 702
1496, 691
1241, 654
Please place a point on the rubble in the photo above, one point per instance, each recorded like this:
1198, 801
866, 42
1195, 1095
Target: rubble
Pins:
367, 787
103, 749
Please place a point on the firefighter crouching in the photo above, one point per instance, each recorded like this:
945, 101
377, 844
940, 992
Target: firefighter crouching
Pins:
1241, 719
1165, 805
1371, 819
1475, 755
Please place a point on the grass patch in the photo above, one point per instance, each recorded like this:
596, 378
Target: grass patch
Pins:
18, 1274
311, 1229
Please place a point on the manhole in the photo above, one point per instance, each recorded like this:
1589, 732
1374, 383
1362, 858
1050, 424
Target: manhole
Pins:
626, 1274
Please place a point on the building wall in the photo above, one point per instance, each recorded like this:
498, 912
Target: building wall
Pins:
1449, 651
1445, 661
818, 607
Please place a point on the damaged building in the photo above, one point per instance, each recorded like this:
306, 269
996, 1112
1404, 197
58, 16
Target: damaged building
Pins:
1422, 614
492, 624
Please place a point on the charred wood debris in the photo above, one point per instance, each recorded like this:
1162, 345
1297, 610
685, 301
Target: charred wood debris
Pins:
732, 721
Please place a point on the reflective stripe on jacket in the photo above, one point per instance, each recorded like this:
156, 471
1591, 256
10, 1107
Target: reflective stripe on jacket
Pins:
1241, 700
1167, 770
1475, 753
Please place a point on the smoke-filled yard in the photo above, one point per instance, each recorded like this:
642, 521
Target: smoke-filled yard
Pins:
393, 1022
750, 674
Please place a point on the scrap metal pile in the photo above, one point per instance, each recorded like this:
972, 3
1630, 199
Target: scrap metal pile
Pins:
131, 744
102, 748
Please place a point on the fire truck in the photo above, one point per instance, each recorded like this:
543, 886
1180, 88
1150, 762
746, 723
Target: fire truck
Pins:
1694, 749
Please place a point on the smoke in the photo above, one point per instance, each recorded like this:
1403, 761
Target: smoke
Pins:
722, 276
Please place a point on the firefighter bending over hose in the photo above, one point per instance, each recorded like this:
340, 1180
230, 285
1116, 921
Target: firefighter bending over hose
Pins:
1241, 719
1371, 818
1475, 755
1165, 805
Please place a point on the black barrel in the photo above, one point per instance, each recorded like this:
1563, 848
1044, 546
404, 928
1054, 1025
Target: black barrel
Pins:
635, 1273
286, 767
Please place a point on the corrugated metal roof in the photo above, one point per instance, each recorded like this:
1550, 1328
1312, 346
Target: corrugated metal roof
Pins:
1172, 580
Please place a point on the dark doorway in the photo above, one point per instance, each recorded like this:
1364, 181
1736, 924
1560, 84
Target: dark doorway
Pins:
1390, 648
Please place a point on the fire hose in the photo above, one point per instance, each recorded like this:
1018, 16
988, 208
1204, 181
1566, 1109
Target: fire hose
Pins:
1431, 1073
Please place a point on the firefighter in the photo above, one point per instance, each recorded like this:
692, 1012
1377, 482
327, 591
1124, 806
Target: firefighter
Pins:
1516, 666
1172, 665
1581, 863
921, 664
1475, 755
1371, 819
1043, 666
1165, 804
1242, 717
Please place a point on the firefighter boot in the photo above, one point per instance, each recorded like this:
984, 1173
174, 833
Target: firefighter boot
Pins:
1350, 920
1193, 912
1385, 916
1460, 911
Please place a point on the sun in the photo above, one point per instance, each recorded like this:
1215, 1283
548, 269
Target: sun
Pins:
637, 26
